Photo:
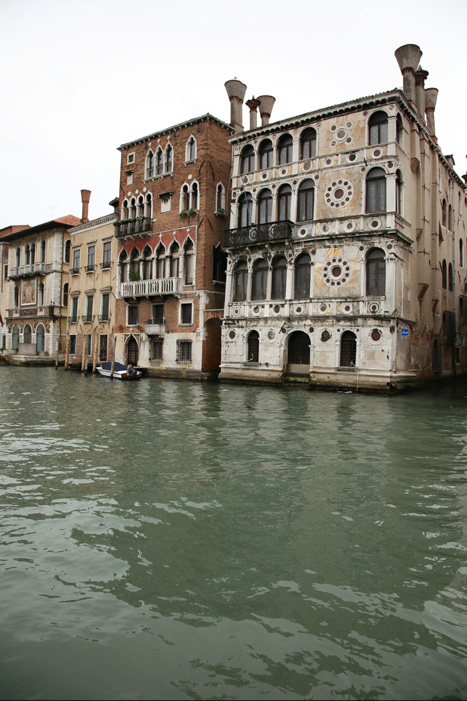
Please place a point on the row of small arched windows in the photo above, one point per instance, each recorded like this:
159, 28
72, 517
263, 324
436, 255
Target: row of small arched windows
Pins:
161, 264
161, 161
27, 336
298, 348
447, 276
30, 254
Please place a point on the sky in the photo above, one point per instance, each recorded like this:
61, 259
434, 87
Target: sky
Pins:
80, 77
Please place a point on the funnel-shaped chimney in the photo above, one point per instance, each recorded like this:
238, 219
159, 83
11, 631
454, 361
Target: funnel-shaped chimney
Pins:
85, 197
431, 95
265, 108
408, 57
420, 77
236, 91
253, 105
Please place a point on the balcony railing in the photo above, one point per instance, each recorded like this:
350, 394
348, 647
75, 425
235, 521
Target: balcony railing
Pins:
138, 226
30, 269
88, 318
258, 233
148, 288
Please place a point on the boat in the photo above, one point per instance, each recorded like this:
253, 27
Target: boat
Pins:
120, 372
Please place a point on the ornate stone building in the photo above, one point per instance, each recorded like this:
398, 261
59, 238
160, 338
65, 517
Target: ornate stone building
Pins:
171, 269
346, 247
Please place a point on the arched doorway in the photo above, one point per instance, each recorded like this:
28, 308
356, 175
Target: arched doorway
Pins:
298, 353
27, 334
132, 351
212, 345
40, 333
348, 349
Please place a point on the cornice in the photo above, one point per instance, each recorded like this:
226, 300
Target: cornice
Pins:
94, 223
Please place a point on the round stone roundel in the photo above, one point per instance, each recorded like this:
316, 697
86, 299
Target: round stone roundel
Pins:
339, 194
336, 272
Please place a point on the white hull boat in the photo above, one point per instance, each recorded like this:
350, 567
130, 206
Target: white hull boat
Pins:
120, 372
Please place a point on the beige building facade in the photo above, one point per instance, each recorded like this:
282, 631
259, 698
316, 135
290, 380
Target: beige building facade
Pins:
346, 248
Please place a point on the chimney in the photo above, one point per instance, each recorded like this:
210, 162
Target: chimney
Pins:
85, 197
236, 91
265, 108
420, 77
253, 105
431, 95
408, 57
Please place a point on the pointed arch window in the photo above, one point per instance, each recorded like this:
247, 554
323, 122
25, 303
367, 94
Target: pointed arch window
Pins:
16, 296
284, 149
33, 253
122, 262
40, 294
43, 251
194, 203
27, 255
308, 143
189, 261
184, 198
398, 192
376, 273
450, 277
266, 154
378, 128
18, 256
168, 159
159, 161
27, 334
148, 206
134, 265
150, 164
191, 149
160, 261
444, 275
174, 259
220, 198
306, 199
302, 276
147, 263
376, 191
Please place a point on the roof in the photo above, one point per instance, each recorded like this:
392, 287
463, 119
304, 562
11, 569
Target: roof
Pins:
196, 120
62, 222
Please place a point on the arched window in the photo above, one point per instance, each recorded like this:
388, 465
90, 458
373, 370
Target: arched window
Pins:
279, 277
147, 263
43, 251
174, 259
378, 128
122, 262
220, 198
376, 191
264, 207
306, 197
189, 261
375, 273
284, 199
298, 349
15, 337
132, 208
240, 281
18, 256
67, 250
444, 275
450, 220
140, 207
259, 281
247, 160
168, 158
16, 296
398, 192
244, 209
150, 164
284, 149
27, 334
185, 198
191, 149
194, 203
125, 210
159, 161
348, 349
33, 253
253, 347
40, 294
27, 255
308, 143
450, 277
134, 265
148, 206
399, 129
461, 253
444, 211
160, 262
302, 276
266, 154
65, 295
40, 335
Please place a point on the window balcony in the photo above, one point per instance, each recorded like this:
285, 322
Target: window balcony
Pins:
104, 317
259, 233
30, 269
90, 268
88, 318
131, 227
73, 319
150, 288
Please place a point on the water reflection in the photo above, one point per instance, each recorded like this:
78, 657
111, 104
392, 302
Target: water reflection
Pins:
185, 540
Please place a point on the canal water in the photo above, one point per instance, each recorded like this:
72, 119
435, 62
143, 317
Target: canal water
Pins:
176, 540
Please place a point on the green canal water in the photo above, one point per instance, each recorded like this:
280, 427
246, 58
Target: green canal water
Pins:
176, 540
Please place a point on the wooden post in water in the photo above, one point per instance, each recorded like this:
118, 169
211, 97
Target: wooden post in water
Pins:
83, 354
94, 355
67, 351
112, 355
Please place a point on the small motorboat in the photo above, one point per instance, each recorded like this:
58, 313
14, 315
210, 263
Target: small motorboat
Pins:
120, 372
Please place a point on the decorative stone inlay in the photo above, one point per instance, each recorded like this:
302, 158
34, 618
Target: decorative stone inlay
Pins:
374, 307
325, 336
375, 336
336, 272
232, 334
339, 194
271, 335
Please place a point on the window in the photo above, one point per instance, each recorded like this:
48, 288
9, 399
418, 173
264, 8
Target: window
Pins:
148, 207
105, 306
266, 154
106, 254
88, 344
133, 315
399, 129
18, 257
240, 281
74, 310
185, 198
174, 259
253, 347
259, 281
122, 262
264, 207
378, 129
375, 273
308, 143
76, 261
67, 250
461, 253
134, 265
27, 255
130, 158
89, 306
183, 351
16, 296
398, 192
219, 264
43, 251
157, 313
72, 344
15, 337
450, 221
156, 349
244, 210
40, 294
194, 196
284, 200
279, 278
450, 277
159, 162
376, 191
33, 254
27, 334
147, 263
220, 199
444, 211
103, 347
302, 276
284, 149
168, 158
160, 261
150, 165
306, 198
186, 313
444, 275
348, 349
247, 160
189, 262
65, 295
40, 337
191, 149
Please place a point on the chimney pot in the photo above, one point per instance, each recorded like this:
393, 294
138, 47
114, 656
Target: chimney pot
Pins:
85, 197
431, 95
408, 57
253, 105
265, 108
236, 91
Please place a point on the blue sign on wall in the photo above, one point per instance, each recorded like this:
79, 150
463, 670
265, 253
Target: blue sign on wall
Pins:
404, 332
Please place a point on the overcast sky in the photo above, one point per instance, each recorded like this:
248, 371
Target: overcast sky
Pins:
81, 77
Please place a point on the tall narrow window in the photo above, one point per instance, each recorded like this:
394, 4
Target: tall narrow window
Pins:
279, 277
378, 129
150, 165
284, 149
284, 200
444, 275
308, 143
43, 251
398, 192
185, 198
147, 263
74, 310
16, 296
168, 159
103, 347
106, 254
194, 196
259, 282
399, 129
89, 306
240, 280
189, 262
65, 295
27, 334
159, 162
27, 257
444, 210
148, 207
266, 154
375, 273
191, 149
376, 191
15, 337
220, 199
348, 349
40, 294
122, 262
91, 258
105, 307
253, 347
247, 160
174, 259
76, 261
461, 253
306, 195
67, 250
302, 276
244, 210
40, 335
160, 262
264, 207
18, 256
33, 254
450, 277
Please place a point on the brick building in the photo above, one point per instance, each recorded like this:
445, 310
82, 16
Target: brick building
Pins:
171, 267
